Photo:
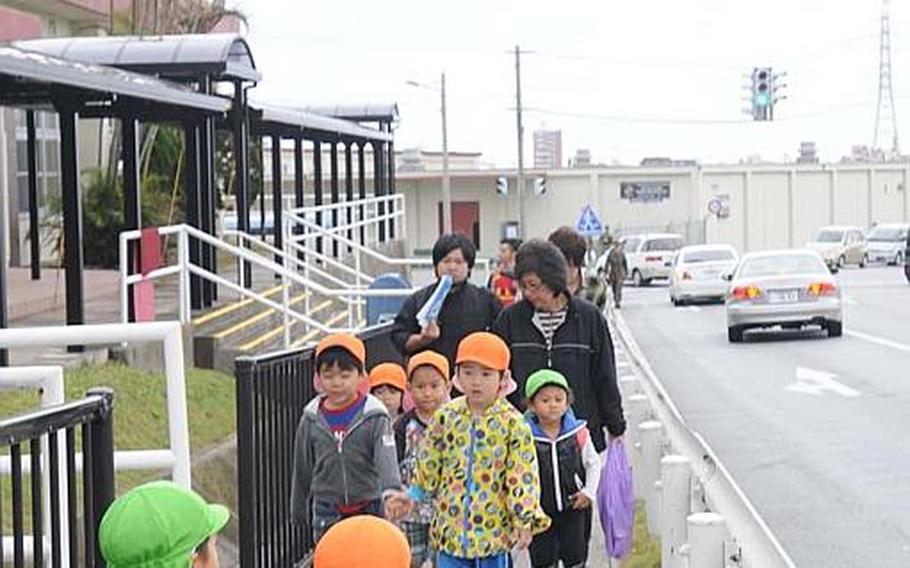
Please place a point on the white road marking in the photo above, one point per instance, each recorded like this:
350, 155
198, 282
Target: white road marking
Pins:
811, 381
879, 340
692, 309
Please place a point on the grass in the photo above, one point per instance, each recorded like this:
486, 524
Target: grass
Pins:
645, 548
140, 413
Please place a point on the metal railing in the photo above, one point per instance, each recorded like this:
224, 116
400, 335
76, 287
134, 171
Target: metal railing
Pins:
272, 391
50, 435
713, 526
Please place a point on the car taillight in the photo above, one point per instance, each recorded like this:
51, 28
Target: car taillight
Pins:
822, 289
653, 259
745, 292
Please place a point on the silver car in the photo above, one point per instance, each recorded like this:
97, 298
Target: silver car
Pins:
788, 288
885, 243
698, 273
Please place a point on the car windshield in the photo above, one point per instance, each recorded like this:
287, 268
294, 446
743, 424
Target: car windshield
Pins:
707, 256
888, 234
828, 236
665, 244
781, 265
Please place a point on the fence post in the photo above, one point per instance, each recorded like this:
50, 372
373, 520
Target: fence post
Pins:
182, 246
285, 282
246, 457
675, 477
650, 432
102, 460
706, 532
637, 411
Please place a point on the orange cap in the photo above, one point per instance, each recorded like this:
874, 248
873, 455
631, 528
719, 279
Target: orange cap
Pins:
433, 359
363, 541
391, 374
485, 348
346, 341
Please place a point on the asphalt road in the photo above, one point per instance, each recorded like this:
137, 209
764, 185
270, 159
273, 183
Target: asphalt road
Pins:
815, 430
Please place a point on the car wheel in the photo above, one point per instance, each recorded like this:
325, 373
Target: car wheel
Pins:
636, 278
898, 259
835, 328
863, 261
841, 261
735, 334
676, 302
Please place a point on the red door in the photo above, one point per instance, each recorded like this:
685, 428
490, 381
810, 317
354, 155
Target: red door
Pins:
465, 219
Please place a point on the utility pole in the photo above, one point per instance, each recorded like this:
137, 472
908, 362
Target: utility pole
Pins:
446, 182
521, 165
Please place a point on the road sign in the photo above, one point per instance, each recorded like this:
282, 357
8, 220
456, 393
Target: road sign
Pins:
589, 224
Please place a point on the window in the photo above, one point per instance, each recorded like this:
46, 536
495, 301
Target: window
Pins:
47, 155
631, 244
708, 256
782, 265
664, 244
828, 236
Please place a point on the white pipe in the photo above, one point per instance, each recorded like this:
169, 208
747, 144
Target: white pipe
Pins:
705, 548
637, 411
124, 273
650, 433
675, 478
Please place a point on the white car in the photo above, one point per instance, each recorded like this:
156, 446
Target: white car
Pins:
885, 243
787, 288
840, 245
649, 256
698, 273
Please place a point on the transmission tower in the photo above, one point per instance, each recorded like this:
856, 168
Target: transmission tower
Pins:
885, 118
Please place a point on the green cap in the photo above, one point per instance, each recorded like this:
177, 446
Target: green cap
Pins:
157, 525
539, 379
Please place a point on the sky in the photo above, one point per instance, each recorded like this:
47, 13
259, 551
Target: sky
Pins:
626, 80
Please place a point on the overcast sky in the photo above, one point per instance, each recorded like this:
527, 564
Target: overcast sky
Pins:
624, 79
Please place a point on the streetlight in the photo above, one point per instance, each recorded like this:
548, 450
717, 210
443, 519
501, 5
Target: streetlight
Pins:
446, 182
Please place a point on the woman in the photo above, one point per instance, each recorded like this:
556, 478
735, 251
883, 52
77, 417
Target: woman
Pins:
467, 308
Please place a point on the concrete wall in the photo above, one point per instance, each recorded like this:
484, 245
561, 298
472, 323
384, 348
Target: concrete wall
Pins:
773, 206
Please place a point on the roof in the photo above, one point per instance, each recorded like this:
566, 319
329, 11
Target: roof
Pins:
369, 112
30, 78
273, 115
223, 56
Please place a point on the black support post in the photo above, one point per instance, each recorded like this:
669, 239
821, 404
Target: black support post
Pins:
191, 193
277, 239
317, 186
72, 219
206, 195
362, 188
335, 191
390, 187
349, 188
32, 154
378, 190
102, 440
132, 202
298, 184
242, 171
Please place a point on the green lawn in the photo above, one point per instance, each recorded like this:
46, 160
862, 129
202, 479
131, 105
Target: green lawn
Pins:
645, 549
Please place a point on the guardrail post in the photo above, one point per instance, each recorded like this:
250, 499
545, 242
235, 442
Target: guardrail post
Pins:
637, 411
651, 433
629, 385
706, 532
102, 460
675, 479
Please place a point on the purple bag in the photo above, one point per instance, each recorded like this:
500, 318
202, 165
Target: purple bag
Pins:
616, 501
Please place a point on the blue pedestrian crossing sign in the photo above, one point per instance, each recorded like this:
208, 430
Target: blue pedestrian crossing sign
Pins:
589, 224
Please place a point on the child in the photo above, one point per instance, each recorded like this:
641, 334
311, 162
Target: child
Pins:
478, 465
569, 471
344, 450
428, 385
387, 383
161, 524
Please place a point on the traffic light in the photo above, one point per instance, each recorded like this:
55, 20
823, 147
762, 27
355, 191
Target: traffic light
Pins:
762, 93
540, 186
502, 186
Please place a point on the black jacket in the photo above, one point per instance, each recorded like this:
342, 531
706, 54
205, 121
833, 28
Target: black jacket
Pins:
582, 350
467, 308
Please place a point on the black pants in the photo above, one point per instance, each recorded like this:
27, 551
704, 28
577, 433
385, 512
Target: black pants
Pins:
616, 285
566, 540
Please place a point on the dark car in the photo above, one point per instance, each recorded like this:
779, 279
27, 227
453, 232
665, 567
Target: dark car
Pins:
907, 259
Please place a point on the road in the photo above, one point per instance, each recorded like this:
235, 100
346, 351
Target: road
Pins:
814, 430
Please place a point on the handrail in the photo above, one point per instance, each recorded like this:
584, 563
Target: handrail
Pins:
344, 204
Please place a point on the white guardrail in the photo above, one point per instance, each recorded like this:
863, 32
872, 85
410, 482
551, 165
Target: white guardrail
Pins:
701, 516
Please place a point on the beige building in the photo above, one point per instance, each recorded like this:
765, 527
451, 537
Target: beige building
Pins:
768, 206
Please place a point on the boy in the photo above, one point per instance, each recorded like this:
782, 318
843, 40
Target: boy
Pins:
428, 385
569, 471
387, 383
161, 524
344, 451
478, 465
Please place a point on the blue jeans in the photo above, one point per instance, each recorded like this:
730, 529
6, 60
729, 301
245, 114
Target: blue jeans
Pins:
502, 560
326, 514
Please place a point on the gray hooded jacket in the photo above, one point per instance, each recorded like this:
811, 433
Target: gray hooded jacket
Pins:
359, 466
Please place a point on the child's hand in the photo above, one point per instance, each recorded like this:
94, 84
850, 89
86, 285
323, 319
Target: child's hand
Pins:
430, 333
523, 538
580, 501
397, 506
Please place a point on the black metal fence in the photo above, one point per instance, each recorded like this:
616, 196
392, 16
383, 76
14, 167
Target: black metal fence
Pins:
272, 391
44, 433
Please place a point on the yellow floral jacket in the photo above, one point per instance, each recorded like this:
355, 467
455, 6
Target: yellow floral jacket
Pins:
481, 474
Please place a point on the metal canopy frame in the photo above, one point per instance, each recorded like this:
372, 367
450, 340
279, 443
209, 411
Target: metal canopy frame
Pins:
74, 90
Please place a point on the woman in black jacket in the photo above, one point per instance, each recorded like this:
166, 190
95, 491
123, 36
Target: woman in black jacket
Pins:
466, 309
549, 328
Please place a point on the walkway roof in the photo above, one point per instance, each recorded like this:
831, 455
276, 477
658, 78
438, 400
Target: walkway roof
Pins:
33, 79
283, 120
370, 112
221, 56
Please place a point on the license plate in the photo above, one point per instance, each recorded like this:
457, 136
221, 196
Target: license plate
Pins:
787, 297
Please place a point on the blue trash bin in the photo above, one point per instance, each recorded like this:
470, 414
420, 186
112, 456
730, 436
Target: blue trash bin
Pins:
381, 309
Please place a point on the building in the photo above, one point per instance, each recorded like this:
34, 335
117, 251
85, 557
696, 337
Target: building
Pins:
808, 153
547, 149
582, 158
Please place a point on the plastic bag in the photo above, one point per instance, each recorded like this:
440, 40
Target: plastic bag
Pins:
616, 501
